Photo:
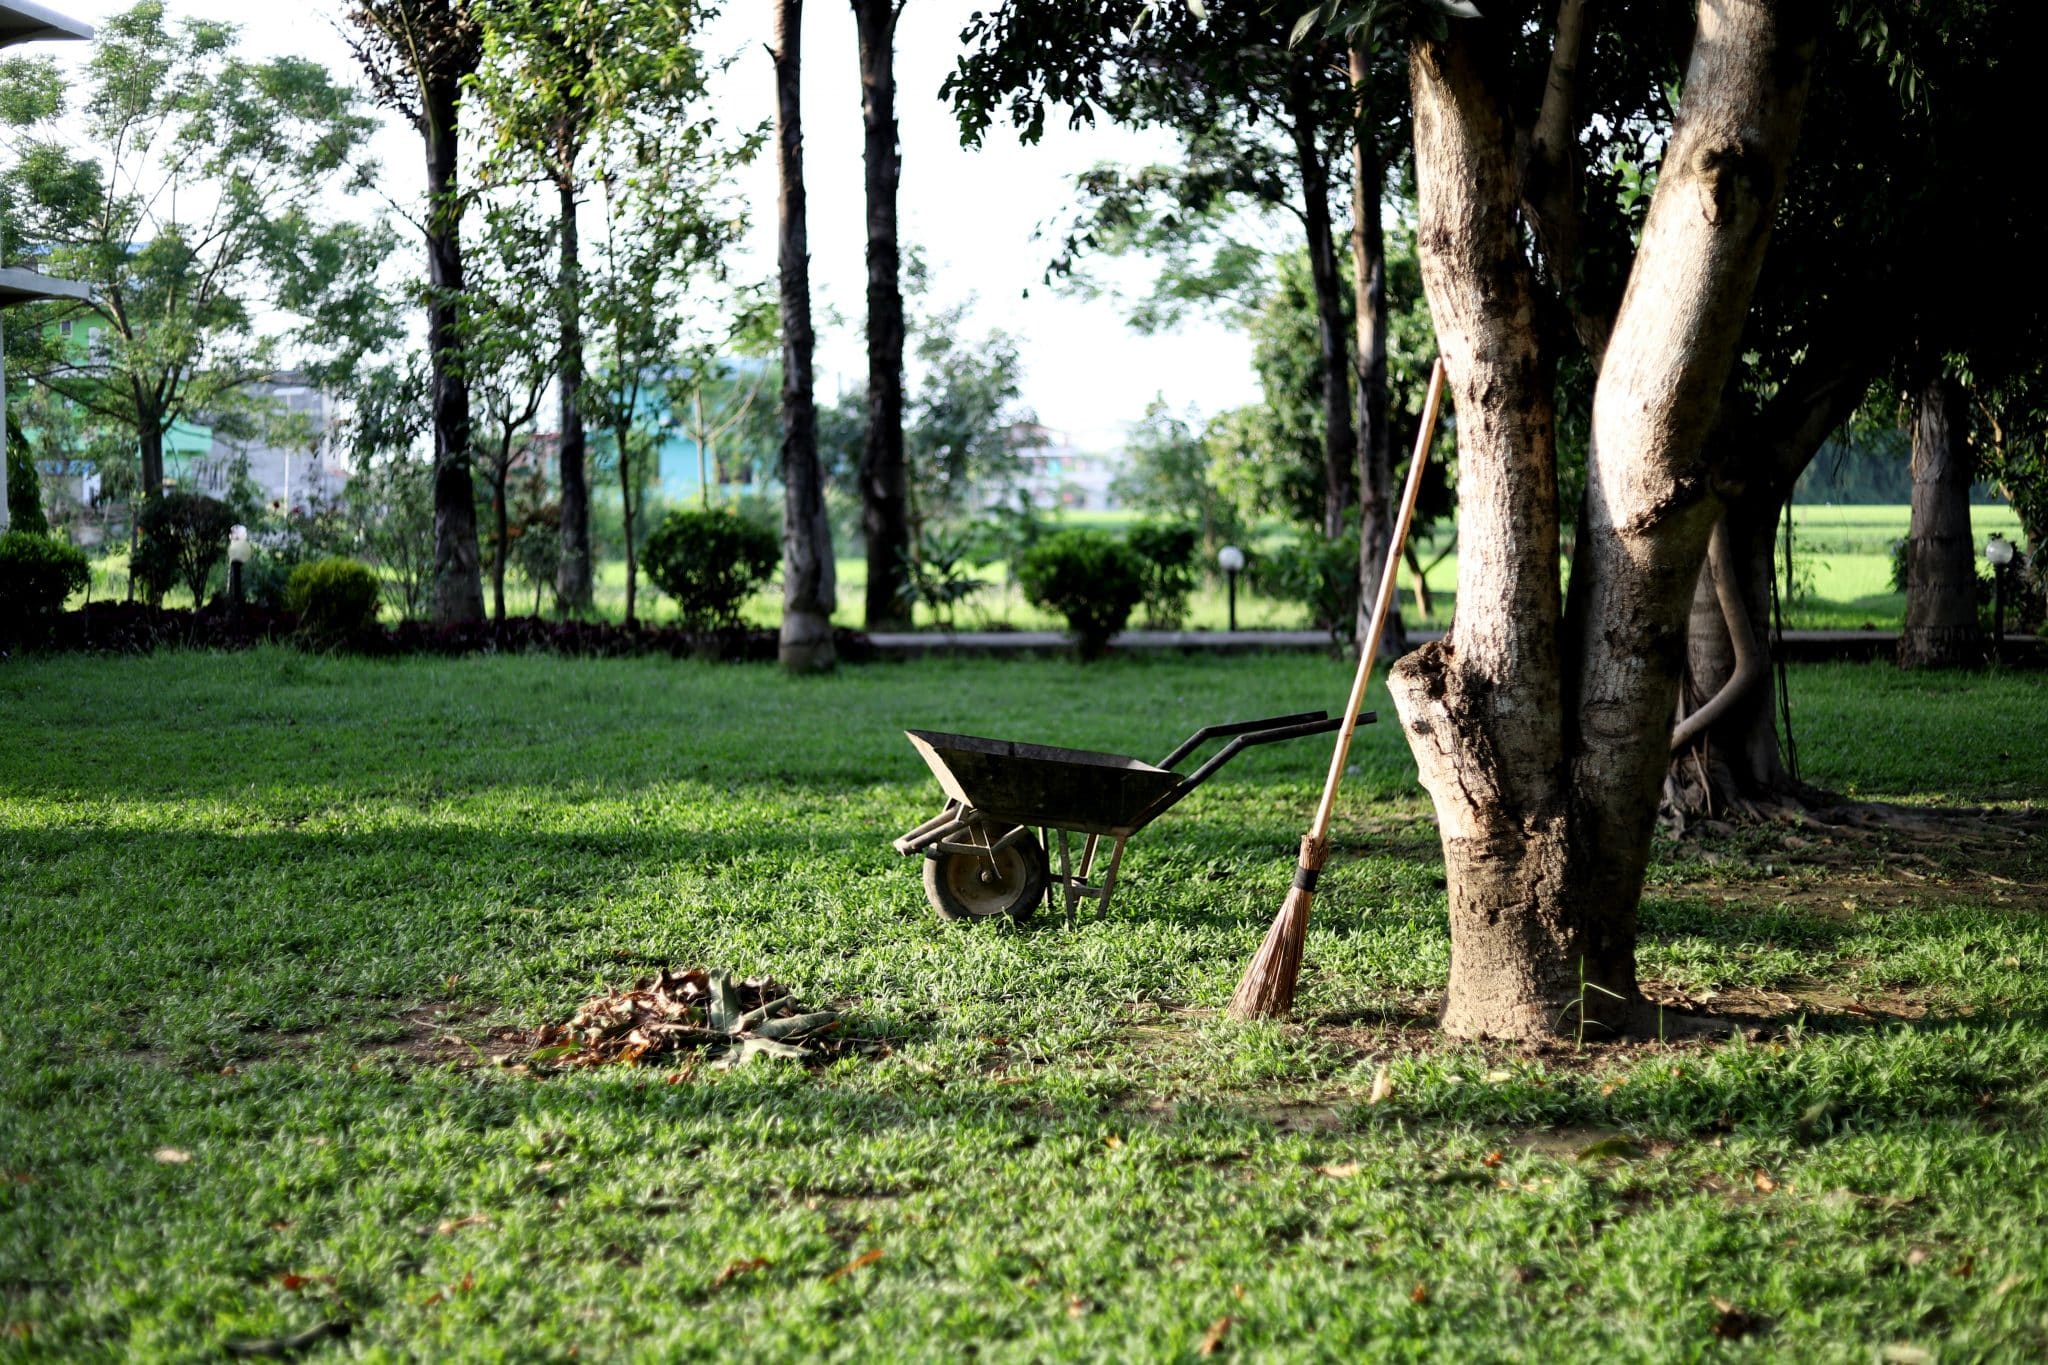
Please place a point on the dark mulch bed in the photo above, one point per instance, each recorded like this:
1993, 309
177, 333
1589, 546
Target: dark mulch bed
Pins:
133, 628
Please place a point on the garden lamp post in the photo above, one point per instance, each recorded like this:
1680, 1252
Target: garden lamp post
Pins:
1231, 560
239, 550
1998, 553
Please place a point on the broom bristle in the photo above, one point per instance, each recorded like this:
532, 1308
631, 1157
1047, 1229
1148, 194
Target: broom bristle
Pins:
1267, 990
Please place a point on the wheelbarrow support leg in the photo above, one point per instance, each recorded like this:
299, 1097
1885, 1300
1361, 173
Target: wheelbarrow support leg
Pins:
1116, 857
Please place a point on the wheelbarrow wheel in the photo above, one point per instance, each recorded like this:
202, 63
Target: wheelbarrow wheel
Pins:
971, 886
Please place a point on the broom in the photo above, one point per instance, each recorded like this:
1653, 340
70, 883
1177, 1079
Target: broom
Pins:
1267, 990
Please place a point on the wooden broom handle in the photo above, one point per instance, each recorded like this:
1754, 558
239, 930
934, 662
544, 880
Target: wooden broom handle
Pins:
1370, 646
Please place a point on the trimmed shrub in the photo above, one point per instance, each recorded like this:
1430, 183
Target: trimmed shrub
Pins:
1321, 575
37, 573
1168, 552
183, 539
710, 562
336, 599
1092, 579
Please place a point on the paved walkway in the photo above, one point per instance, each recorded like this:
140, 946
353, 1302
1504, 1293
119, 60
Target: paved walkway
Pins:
1799, 644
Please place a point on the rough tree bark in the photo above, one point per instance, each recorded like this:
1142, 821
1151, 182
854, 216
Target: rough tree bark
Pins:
575, 577
884, 497
1340, 452
808, 591
1541, 728
1369, 311
1941, 568
458, 590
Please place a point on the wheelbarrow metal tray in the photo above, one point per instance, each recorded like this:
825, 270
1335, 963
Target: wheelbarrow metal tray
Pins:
1038, 784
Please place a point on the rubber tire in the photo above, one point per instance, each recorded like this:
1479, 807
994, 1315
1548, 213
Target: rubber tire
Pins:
1024, 870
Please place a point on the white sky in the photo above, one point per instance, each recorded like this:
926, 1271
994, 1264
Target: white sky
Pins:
972, 213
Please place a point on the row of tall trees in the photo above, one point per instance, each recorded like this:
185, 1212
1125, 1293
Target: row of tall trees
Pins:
581, 112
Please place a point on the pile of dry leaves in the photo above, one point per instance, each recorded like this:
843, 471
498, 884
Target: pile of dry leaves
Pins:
694, 1013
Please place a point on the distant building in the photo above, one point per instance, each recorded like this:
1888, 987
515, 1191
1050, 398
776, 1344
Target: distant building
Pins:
292, 459
1057, 474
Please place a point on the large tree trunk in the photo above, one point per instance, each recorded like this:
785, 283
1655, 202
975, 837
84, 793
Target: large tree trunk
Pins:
458, 592
1544, 748
1340, 452
809, 592
884, 499
1369, 310
1941, 569
575, 577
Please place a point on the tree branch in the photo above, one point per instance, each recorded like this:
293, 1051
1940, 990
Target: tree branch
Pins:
1550, 183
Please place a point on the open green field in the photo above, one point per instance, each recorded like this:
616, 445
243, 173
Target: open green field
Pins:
263, 914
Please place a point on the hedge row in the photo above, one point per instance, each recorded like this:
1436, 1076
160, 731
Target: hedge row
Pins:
133, 628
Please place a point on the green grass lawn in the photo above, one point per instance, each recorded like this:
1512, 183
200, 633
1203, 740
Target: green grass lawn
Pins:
262, 912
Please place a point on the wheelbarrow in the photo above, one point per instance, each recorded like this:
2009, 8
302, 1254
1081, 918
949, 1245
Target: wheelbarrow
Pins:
981, 857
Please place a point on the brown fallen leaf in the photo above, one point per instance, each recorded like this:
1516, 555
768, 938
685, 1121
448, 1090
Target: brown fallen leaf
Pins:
1419, 1294
1764, 1182
734, 1269
1112, 1142
1212, 1340
449, 1226
171, 1156
1078, 1307
866, 1258
292, 1280
1490, 1160
1965, 1268
1343, 1170
1382, 1087
1918, 1256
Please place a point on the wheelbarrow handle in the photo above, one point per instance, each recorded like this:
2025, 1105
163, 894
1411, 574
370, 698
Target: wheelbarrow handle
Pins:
1239, 727
1321, 726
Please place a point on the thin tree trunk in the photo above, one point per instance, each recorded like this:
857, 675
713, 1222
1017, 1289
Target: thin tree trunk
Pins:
1340, 451
1737, 764
1734, 765
1941, 569
621, 435
503, 528
1544, 750
458, 593
809, 592
575, 577
1369, 310
884, 506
